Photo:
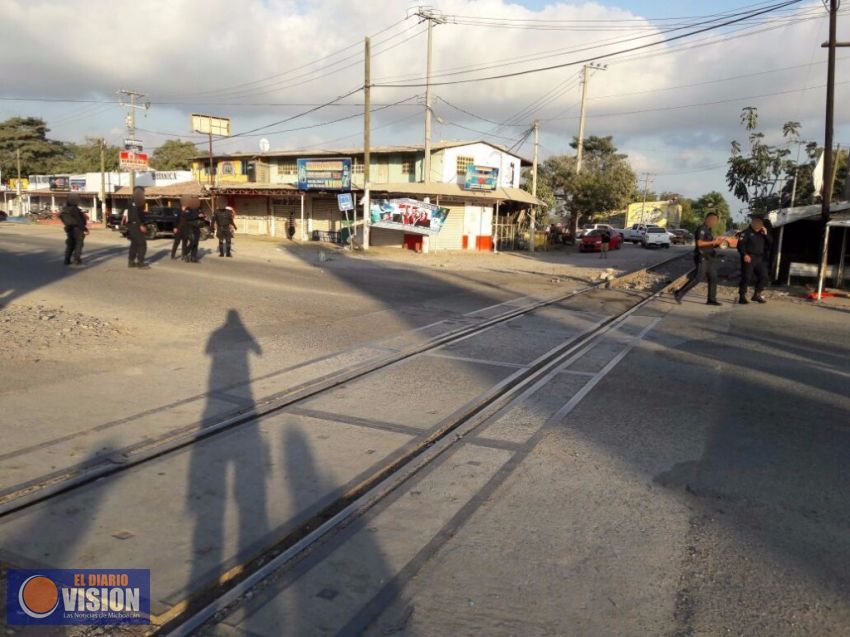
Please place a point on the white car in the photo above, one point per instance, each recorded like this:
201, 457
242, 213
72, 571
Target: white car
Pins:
655, 237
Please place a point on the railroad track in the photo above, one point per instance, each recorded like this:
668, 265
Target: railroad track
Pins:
21, 496
185, 617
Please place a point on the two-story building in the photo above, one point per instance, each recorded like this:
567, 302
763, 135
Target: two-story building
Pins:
269, 198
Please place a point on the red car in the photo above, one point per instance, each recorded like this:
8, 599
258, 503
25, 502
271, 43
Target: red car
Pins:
592, 241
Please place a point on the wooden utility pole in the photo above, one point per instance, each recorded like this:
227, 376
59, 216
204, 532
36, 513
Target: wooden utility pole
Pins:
367, 138
103, 179
584, 80
831, 45
18, 188
533, 223
432, 18
131, 106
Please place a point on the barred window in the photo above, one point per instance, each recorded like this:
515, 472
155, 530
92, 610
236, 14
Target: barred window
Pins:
462, 162
407, 167
287, 167
357, 168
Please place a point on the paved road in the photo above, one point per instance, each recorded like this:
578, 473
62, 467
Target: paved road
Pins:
686, 475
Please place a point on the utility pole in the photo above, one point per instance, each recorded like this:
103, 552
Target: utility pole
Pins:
367, 139
831, 45
18, 185
429, 15
646, 177
534, 181
584, 80
129, 99
103, 178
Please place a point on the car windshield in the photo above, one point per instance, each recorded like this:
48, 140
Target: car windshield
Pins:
656, 230
588, 226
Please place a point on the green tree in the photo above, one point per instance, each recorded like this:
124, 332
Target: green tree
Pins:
85, 157
605, 184
38, 153
175, 154
759, 177
712, 202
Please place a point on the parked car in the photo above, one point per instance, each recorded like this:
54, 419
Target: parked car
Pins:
636, 232
592, 242
730, 239
589, 227
681, 236
655, 237
3, 215
158, 220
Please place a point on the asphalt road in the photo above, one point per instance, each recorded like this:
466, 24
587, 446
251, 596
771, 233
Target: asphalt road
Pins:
685, 475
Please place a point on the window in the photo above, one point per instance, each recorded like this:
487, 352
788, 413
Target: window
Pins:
462, 162
357, 168
407, 167
287, 167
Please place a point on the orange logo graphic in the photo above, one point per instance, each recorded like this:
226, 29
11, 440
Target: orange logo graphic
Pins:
38, 596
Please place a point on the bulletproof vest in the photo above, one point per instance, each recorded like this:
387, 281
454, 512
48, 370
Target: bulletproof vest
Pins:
222, 218
70, 216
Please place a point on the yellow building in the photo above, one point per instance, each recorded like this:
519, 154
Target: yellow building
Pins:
667, 214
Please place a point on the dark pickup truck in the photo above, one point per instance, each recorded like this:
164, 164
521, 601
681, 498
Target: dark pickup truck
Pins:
159, 220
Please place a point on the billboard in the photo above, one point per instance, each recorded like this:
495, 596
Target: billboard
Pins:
210, 125
407, 215
131, 160
481, 178
324, 174
78, 185
59, 183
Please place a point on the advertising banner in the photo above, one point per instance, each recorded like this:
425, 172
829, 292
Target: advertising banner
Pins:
59, 183
324, 174
481, 178
78, 185
131, 160
408, 215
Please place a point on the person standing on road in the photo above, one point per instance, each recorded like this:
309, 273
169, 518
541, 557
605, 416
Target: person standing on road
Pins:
705, 258
134, 217
606, 243
181, 231
75, 229
194, 220
754, 246
224, 225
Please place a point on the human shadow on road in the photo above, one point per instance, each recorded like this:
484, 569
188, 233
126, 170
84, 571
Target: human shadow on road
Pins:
227, 473
316, 594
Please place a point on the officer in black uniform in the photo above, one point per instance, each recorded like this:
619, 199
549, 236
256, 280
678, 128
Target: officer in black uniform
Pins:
224, 225
181, 231
705, 258
75, 229
754, 246
135, 220
194, 220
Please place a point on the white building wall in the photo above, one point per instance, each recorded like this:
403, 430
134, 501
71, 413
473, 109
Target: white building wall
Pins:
483, 155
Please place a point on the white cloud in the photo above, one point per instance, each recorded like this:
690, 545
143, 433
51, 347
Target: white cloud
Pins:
189, 50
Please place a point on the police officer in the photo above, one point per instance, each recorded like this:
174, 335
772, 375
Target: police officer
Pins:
705, 258
134, 217
181, 231
194, 219
224, 225
75, 229
754, 246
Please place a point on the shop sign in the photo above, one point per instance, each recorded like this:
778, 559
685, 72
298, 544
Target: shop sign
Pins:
481, 178
324, 174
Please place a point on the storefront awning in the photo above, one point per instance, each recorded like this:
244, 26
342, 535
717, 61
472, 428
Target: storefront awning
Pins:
785, 216
418, 189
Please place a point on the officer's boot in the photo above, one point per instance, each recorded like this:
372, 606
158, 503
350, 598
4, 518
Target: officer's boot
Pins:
221, 249
742, 299
758, 297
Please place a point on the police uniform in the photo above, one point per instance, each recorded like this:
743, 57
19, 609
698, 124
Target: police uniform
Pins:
138, 241
192, 220
757, 246
182, 232
224, 225
75, 232
706, 266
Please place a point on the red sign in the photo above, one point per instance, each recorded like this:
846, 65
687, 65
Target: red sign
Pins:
131, 160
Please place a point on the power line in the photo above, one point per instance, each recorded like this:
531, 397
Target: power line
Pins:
602, 55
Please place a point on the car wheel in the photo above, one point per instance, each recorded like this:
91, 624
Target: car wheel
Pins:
151, 232
205, 233
724, 245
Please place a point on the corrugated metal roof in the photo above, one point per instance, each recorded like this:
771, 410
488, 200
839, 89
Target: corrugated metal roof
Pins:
454, 190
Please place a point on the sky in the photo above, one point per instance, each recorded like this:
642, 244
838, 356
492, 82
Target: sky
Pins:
673, 108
